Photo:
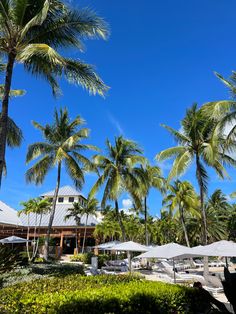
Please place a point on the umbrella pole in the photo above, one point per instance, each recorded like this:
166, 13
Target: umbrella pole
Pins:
226, 262
129, 261
174, 270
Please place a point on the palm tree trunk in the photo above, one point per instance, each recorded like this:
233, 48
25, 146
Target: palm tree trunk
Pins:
119, 218
4, 114
145, 219
184, 226
203, 213
37, 242
27, 243
76, 239
85, 230
52, 214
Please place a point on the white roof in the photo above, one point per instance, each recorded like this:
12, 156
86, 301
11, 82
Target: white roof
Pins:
59, 218
221, 248
129, 246
64, 191
170, 250
8, 215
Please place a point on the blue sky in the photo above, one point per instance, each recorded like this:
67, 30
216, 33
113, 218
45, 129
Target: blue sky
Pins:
159, 59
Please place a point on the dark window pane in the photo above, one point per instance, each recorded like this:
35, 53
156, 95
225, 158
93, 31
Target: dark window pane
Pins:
60, 199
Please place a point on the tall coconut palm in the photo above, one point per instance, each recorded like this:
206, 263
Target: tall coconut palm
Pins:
151, 178
198, 141
180, 199
62, 145
38, 207
117, 173
32, 33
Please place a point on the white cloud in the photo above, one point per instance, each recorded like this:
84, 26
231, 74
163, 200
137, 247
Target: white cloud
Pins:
127, 203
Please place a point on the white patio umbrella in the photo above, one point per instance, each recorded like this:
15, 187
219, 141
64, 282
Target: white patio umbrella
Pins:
107, 245
220, 248
13, 240
129, 247
169, 251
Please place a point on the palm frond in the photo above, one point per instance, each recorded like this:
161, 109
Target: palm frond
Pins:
39, 170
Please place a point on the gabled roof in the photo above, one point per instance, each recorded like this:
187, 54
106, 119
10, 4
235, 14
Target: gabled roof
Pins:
64, 191
8, 215
59, 218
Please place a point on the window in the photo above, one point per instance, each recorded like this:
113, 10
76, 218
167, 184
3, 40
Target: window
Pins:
71, 199
60, 199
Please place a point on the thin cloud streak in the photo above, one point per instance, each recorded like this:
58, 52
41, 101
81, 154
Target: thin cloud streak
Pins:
116, 124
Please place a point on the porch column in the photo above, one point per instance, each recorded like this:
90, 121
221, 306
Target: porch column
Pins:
61, 243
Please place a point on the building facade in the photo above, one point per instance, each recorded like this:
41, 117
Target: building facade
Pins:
63, 234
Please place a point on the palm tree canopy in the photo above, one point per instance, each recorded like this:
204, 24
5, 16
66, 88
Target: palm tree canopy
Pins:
199, 137
35, 205
118, 169
181, 195
89, 207
32, 32
62, 145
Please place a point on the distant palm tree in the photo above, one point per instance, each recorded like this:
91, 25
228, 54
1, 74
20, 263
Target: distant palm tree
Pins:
117, 173
151, 178
180, 199
38, 207
32, 32
88, 208
75, 213
62, 145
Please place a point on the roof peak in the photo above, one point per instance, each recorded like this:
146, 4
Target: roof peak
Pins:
65, 190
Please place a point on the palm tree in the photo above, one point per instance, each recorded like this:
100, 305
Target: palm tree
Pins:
38, 207
180, 199
198, 141
62, 145
75, 213
32, 32
118, 173
201, 141
218, 213
152, 178
90, 209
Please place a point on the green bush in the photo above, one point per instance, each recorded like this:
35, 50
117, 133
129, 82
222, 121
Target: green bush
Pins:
97, 295
82, 257
86, 258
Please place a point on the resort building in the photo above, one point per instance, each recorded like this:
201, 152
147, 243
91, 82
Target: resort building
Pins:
63, 234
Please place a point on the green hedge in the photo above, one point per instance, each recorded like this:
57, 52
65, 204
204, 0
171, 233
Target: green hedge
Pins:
100, 294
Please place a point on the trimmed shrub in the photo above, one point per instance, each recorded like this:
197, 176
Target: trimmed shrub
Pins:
97, 295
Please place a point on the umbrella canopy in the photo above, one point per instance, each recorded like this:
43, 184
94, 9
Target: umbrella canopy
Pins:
169, 251
220, 248
129, 246
107, 245
13, 239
